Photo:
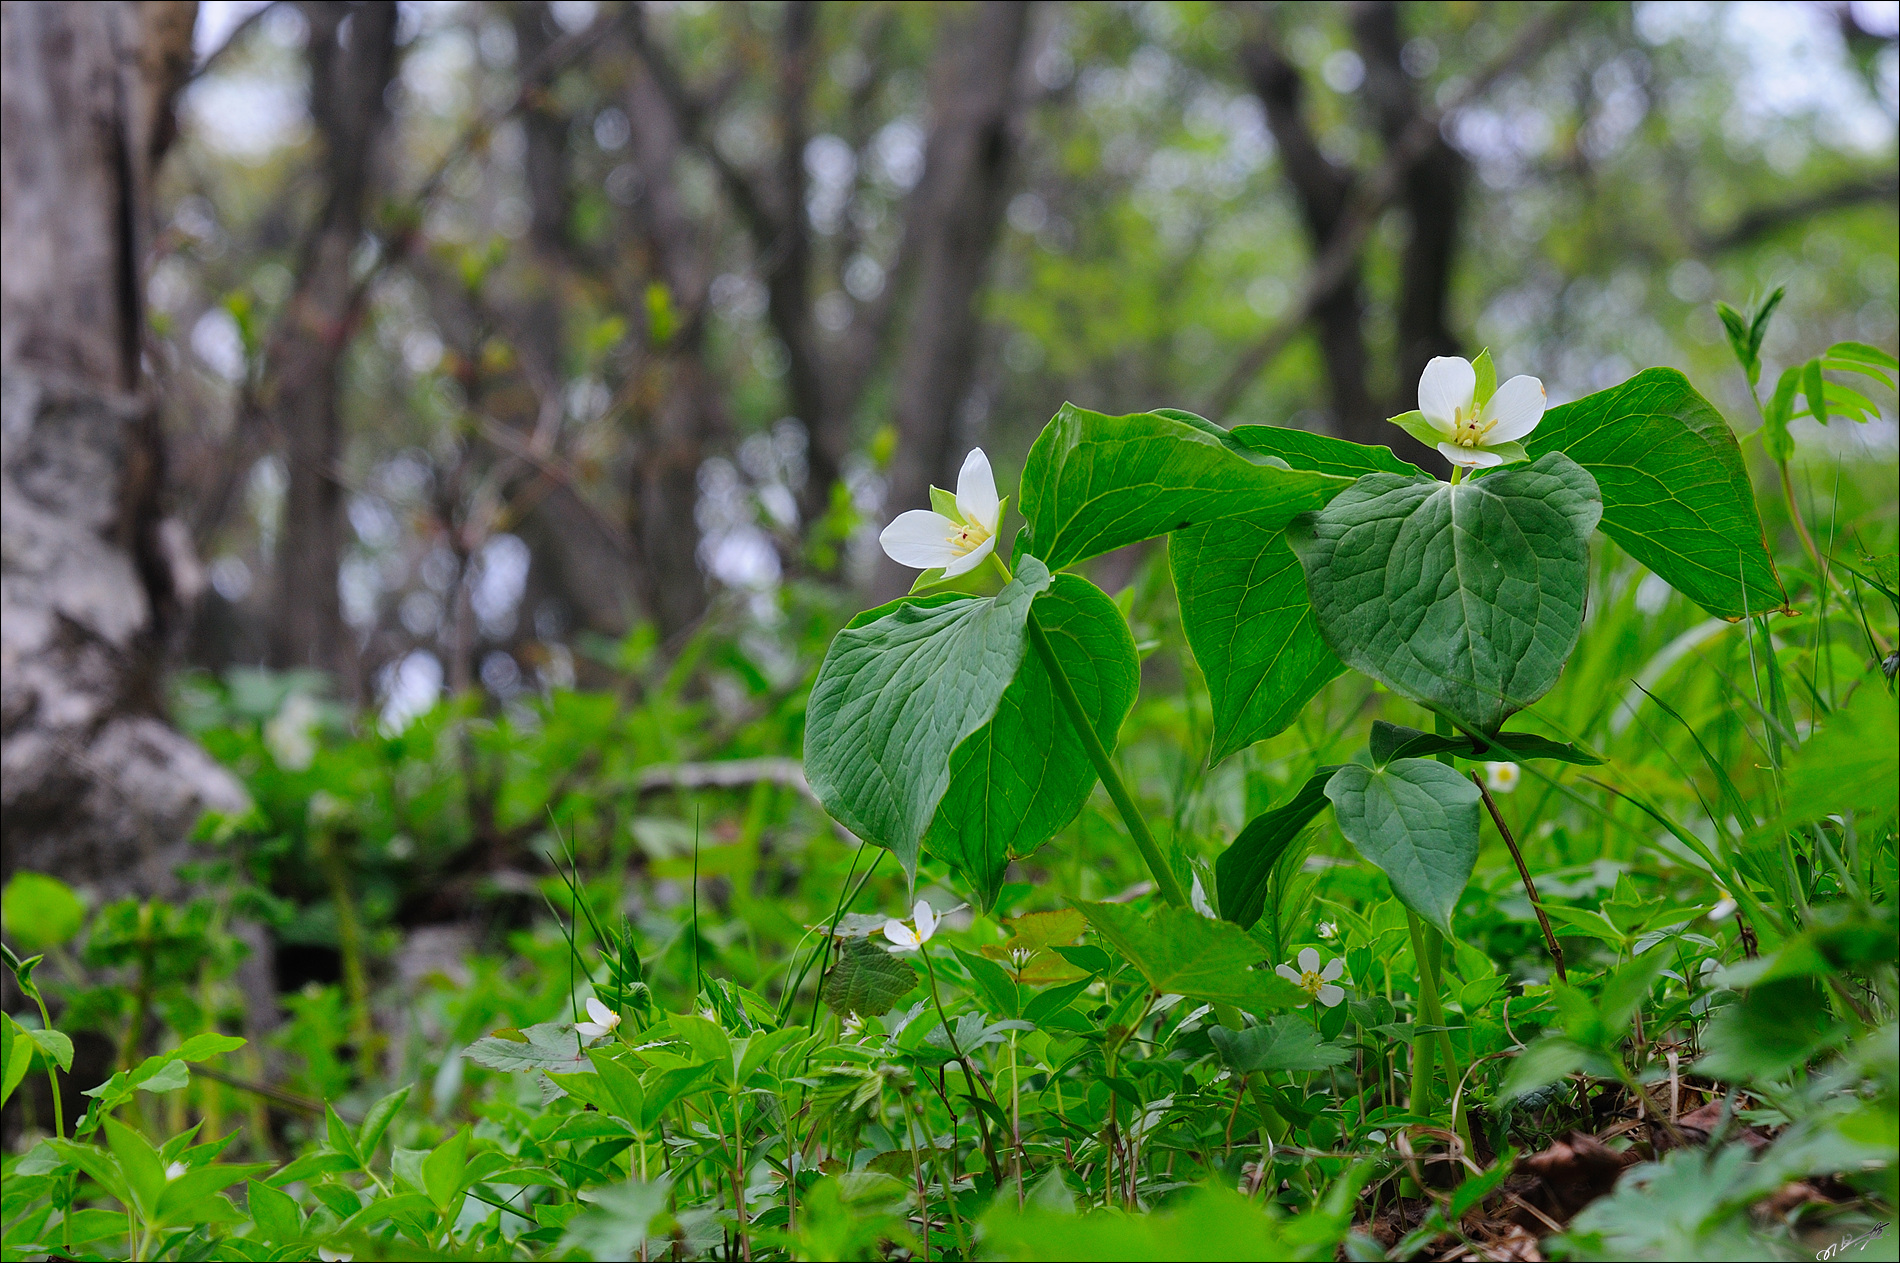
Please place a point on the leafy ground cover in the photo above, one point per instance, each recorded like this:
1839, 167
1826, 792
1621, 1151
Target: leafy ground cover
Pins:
603, 975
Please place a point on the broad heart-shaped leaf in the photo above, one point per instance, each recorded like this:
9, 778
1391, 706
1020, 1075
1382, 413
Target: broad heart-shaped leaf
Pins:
1182, 952
1417, 820
1467, 598
1676, 494
1252, 630
1243, 869
1243, 598
1281, 1043
900, 688
1093, 483
1020, 778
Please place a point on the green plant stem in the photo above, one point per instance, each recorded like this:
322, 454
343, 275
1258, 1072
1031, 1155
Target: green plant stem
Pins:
1272, 1125
1165, 881
1424, 1050
349, 934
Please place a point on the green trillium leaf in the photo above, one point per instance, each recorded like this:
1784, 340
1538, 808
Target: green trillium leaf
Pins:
1676, 495
1093, 483
1468, 599
1417, 820
1395, 741
1243, 598
1243, 869
1183, 952
901, 687
1015, 782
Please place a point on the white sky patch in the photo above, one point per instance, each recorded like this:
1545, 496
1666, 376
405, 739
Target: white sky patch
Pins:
411, 686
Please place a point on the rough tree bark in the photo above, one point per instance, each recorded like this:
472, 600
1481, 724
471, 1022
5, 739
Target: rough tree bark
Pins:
977, 108
352, 52
94, 785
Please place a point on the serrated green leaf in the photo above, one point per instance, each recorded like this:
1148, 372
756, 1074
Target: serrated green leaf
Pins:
1468, 599
900, 688
1094, 483
1243, 869
1019, 779
543, 1046
1417, 821
867, 980
1282, 1043
1676, 494
1182, 952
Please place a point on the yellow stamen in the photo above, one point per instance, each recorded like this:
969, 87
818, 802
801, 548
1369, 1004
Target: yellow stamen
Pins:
967, 537
1466, 431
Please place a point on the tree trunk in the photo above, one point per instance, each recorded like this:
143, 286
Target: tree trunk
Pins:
688, 411
352, 55
954, 219
1433, 199
96, 786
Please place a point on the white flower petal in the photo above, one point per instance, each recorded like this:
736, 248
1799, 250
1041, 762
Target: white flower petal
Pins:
1309, 961
976, 491
900, 936
1287, 972
1334, 968
967, 562
1447, 385
1329, 995
601, 1013
926, 921
920, 539
1469, 457
589, 1031
1517, 408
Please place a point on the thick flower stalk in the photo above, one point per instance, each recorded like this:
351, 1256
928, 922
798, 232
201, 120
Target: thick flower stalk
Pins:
958, 533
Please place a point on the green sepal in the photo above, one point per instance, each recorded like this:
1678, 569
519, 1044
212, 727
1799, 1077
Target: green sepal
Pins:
1512, 453
1415, 424
945, 502
1487, 384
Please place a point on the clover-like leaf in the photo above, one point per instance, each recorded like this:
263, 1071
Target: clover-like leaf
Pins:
1467, 598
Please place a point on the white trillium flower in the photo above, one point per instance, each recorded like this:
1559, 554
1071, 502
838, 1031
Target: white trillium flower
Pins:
603, 1023
1501, 778
1313, 980
1471, 432
926, 539
902, 937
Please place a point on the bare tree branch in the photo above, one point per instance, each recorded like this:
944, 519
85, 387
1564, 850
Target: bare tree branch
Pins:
1760, 222
1377, 193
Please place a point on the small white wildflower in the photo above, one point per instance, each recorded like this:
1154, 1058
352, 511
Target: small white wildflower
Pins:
927, 539
175, 1170
903, 938
1465, 428
1724, 909
603, 1023
1328, 930
1315, 981
1501, 778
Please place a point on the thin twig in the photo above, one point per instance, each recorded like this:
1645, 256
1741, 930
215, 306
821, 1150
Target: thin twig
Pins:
289, 1100
1530, 887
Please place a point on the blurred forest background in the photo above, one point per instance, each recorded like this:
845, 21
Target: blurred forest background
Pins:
492, 349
